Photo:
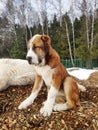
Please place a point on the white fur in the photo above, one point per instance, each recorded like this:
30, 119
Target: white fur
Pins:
46, 110
33, 55
81, 87
46, 73
30, 52
60, 107
15, 72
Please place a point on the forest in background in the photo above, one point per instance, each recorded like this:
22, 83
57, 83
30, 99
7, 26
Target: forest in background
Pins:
73, 32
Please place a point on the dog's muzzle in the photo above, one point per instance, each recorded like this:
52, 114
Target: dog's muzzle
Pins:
29, 59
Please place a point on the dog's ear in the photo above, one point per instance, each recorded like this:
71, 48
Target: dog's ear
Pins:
45, 39
46, 42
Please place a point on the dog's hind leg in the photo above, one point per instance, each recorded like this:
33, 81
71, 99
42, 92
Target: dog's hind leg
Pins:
72, 96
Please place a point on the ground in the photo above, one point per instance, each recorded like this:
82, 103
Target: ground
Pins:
80, 118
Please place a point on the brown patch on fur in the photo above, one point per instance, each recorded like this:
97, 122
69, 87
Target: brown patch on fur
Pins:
38, 80
52, 58
71, 92
59, 75
60, 99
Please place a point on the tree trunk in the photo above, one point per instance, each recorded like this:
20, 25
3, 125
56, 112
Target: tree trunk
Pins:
73, 39
92, 33
26, 35
87, 23
60, 13
93, 20
87, 30
70, 51
30, 32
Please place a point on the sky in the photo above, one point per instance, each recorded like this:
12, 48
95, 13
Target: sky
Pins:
2, 6
52, 7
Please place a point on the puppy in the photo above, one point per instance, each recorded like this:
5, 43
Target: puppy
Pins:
15, 72
61, 86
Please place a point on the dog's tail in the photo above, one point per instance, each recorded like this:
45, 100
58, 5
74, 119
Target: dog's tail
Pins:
81, 87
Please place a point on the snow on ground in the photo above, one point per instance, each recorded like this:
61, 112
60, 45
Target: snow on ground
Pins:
80, 73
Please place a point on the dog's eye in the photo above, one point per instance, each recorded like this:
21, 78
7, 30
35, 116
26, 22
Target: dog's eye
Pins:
35, 47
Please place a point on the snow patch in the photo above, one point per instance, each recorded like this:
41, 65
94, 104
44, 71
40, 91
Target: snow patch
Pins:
80, 73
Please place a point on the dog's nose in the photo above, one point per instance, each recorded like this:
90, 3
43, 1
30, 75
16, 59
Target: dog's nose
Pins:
29, 59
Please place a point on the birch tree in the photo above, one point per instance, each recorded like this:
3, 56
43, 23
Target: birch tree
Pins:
72, 18
89, 8
10, 14
74, 13
70, 50
93, 19
3, 8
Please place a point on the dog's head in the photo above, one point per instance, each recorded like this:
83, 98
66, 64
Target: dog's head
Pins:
38, 48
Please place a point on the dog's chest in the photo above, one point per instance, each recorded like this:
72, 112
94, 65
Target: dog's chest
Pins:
46, 72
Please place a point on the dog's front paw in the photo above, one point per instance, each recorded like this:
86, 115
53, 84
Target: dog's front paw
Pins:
46, 111
25, 104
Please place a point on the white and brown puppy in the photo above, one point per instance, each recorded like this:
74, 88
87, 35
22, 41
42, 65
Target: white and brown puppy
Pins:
61, 86
15, 72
